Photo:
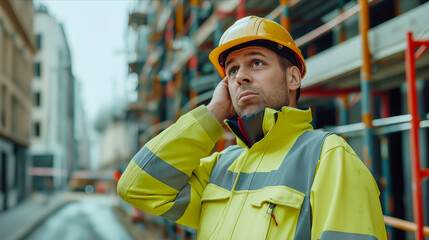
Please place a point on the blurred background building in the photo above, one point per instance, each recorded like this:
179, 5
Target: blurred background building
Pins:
82, 144
355, 84
115, 140
17, 50
57, 114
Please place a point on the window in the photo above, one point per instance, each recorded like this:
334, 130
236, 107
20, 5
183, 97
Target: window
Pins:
37, 129
4, 54
37, 69
3, 107
15, 111
39, 41
37, 99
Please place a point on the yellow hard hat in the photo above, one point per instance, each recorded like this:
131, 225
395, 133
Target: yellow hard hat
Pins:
253, 28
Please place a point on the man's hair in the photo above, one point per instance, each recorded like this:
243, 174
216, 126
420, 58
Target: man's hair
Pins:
286, 56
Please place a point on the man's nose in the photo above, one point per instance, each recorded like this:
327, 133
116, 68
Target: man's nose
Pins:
242, 76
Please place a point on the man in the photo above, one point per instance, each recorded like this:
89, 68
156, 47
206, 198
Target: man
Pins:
282, 180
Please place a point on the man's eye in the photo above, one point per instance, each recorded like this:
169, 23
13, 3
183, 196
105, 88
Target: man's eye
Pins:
233, 71
257, 63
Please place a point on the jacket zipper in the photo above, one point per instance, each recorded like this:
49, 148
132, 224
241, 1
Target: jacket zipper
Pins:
270, 211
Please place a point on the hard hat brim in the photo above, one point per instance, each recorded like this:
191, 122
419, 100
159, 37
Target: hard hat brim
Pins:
214, 55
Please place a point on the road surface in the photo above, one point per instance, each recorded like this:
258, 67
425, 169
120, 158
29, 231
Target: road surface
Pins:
89, 218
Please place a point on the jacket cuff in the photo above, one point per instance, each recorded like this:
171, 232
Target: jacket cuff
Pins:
208, 122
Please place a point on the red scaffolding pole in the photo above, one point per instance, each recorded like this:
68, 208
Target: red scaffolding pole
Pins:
418, 174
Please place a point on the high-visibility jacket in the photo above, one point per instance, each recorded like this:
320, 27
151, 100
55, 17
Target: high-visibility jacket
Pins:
283, 180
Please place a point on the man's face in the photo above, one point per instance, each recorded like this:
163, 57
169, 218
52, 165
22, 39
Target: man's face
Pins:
256, 80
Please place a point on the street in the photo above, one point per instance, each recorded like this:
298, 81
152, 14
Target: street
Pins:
88, 218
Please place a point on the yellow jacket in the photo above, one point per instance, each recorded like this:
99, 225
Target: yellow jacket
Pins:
282, 180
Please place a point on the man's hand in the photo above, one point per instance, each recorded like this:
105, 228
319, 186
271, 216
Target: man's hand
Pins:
221, 105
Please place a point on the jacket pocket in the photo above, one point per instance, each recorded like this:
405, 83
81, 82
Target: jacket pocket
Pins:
214, 201
278, 195
280, 206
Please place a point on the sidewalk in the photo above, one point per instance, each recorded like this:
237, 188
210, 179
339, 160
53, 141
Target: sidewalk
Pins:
20, 220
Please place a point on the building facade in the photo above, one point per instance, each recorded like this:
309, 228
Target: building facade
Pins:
17, 49
53, 144
81, 132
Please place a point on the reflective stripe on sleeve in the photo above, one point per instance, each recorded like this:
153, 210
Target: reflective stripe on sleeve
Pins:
180, 204
328, 235
161, 170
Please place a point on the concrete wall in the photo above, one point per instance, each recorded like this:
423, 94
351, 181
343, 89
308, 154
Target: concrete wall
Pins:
385, 40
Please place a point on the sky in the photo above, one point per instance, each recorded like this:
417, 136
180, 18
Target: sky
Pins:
96, 34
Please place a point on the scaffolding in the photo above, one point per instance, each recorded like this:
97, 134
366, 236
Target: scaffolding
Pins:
418, 174
174, 77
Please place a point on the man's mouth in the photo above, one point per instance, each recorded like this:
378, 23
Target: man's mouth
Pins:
246, 95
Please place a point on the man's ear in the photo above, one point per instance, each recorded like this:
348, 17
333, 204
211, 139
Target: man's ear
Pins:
294, 78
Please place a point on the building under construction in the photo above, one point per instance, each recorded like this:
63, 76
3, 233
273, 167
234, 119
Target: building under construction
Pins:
367, 80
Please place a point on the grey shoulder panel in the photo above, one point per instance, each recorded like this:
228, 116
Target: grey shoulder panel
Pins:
306, 157
220, 174
299, 165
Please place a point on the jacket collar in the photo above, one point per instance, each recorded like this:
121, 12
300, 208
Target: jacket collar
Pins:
269, 123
